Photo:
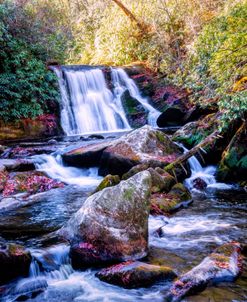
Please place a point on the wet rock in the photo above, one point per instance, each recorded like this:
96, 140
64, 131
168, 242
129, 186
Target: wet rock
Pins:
95, 136
88, 156
142, 146
108, 181
223, 265
135, 274
164, 203
17, 164
112, 225
172, 116
199, 184
135, 112
14, 262
233, 164
29, 288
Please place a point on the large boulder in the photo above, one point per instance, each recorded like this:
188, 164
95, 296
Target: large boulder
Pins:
224, 264
233, 164
133, 274
112, 225
14, 262
142, 146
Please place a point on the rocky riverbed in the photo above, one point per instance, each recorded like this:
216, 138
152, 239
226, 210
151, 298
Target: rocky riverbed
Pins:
142, 236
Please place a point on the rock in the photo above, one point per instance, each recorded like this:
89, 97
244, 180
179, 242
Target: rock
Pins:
233, 164
195, 132
45, 125
14, 262
168, 179
133, 274
95, 136
135, 170
86, 156
30, 182
199, 184
112, 225
108, 181
17, 164
162, 203
172, 116
224, 264
142, 146
160, 182
29, 288
135, 112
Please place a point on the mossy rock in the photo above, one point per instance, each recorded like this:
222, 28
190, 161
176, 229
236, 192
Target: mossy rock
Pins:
134, 274
134, 170
166, 203
108, 181
233, 164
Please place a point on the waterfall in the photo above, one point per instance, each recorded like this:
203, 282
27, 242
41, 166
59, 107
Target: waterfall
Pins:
89, 106
122, 81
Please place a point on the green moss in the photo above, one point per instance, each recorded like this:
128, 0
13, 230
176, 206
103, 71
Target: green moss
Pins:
108, 181
160, 136
128, 193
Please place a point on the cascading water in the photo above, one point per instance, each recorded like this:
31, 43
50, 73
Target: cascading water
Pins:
206, 174
88, 106
53, 166
122, 81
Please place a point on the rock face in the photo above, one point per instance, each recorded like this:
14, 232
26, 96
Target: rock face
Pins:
133, 274
141, 146
43, 126
222, 265
165, 203
112, 225
14, 262
233, 164
135, 112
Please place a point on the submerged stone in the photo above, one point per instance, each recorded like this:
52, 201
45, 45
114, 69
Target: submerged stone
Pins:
112, 224
134, 274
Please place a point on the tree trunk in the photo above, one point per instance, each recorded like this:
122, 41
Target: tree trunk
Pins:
129, 14
207, 141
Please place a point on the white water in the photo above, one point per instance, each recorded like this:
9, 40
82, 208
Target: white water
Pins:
88, 106
122, 81
53, 166
207, 174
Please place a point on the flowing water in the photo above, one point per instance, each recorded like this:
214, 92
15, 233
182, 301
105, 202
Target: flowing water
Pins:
184, 239
89, 106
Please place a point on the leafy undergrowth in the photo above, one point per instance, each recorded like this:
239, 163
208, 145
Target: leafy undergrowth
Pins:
30, 182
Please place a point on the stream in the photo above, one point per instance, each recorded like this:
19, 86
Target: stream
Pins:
216, 216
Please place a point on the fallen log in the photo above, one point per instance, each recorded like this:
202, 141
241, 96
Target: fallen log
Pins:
207, 141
